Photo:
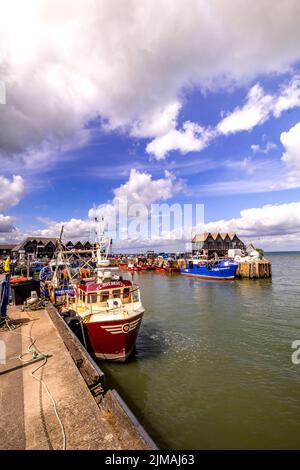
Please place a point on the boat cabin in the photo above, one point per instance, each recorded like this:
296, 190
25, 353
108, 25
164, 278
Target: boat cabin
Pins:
111, 294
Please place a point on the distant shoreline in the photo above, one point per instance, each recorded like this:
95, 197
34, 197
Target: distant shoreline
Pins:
281, 252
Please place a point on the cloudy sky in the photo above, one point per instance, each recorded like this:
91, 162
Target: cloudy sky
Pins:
156, 100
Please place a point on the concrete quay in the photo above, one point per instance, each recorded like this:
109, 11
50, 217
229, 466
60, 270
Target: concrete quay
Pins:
59, 401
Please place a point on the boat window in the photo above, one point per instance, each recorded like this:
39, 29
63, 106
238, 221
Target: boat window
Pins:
126, 293
191, 264
116, 293
135, 295
92, 299
104, 296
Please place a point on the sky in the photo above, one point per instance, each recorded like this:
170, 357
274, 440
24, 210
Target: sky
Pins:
155, 101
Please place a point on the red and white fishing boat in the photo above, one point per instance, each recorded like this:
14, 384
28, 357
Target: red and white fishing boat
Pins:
123, 266
133, 267
167, 269
106, 308
111, 312
145, 267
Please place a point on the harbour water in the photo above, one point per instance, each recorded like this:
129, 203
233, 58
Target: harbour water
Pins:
213, 366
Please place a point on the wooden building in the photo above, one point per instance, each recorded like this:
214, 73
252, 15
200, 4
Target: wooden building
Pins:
43, 247
79, 245
5, 249
208, 244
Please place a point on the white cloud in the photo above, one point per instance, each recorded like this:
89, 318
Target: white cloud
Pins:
256, 148
158, 123
268, 220
269, 226
73, 229
259, 106
11, 191
6, 224
255, 111
289, 97
65, 62
272, 226
291, 142
191, 138
142, 189
269, 147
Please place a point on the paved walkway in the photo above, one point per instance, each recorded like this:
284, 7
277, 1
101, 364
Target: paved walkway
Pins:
27, 417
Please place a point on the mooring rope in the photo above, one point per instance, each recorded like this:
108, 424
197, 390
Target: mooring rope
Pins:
35, 353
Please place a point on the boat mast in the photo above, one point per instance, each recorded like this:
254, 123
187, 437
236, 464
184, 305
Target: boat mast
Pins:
58, 258
102, 261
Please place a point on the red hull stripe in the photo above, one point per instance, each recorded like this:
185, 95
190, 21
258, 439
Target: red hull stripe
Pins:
114, 339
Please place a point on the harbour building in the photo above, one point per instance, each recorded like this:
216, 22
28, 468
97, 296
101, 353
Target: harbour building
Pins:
208, 243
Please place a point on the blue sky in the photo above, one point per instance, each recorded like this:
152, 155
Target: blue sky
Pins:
224, 130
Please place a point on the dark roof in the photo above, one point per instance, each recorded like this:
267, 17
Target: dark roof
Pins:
7, 246
201, 237
46, 240
43, 240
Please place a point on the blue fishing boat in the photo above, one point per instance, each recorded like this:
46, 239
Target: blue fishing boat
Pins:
37, 266
210, 269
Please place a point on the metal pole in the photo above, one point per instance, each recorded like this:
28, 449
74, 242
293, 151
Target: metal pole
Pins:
28, 265
4, 296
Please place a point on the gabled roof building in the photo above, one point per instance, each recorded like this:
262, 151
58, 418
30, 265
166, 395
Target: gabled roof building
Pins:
44, 247
209, 243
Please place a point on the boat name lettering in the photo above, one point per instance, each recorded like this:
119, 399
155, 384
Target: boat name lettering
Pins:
112, 284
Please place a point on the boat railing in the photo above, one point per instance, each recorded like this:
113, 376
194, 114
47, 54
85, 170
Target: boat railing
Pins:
133, 294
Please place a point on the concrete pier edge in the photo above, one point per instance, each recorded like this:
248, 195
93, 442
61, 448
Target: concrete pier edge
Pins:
107, 399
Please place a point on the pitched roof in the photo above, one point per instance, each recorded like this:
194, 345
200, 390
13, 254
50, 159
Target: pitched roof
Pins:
201, 237
214, 235
46, 240
43, 240
17, 247
7, 246
232, 235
